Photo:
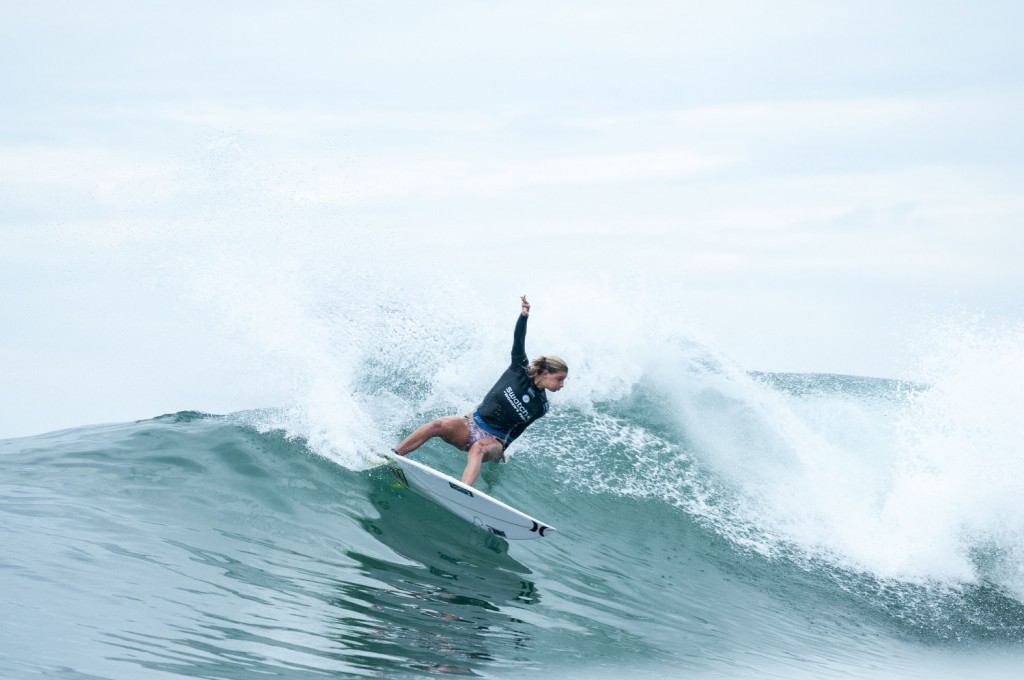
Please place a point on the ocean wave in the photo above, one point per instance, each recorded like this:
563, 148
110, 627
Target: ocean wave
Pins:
704, 508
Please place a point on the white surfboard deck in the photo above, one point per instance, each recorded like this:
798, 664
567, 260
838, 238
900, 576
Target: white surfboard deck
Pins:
468, 503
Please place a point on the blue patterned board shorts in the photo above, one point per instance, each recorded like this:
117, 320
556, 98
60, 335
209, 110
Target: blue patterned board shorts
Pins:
476, 432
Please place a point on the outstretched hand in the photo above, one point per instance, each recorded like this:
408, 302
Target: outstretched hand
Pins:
526, 305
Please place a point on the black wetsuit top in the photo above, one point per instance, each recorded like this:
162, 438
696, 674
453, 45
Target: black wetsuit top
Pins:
514, 402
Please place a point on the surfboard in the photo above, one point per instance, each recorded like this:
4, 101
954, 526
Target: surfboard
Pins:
469, 503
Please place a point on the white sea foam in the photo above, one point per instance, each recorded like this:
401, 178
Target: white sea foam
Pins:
914, 483
352, 356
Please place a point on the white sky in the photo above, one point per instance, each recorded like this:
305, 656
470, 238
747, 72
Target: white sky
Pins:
808, 182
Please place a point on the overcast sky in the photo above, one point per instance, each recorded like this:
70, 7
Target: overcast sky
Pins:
810, 183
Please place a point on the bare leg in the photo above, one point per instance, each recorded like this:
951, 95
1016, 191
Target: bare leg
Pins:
452, 429
485, 449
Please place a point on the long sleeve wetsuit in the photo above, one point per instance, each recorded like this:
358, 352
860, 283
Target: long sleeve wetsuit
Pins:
515, 401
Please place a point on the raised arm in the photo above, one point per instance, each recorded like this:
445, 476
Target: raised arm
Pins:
519, 357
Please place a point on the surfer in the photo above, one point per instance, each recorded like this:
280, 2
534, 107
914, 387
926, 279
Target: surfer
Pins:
518, 399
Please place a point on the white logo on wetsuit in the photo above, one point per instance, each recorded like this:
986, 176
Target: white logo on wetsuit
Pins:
526, 398
512, 399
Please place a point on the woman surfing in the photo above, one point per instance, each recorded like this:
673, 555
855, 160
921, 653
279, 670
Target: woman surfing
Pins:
518, 399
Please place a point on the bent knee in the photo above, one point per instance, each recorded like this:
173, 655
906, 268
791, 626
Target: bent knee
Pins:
439, 426
492, 452
435, 427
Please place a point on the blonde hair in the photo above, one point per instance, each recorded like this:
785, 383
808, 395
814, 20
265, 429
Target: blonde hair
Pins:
551, 364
